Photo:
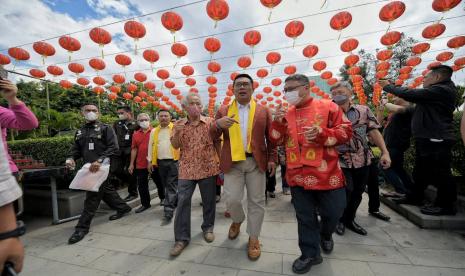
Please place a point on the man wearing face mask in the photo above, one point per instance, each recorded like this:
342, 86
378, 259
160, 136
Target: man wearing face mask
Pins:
95, 143
198, 164
124, 129
138, 166
246, 155
163, 163
310, 130
355, 156
434, 134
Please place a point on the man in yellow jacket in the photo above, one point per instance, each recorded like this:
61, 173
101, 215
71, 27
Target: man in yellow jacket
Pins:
164, 158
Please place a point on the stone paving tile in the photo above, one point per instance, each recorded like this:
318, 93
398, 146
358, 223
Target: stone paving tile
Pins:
117, 243
381, 269
36, 247
368, 253
376, 236
438, 258
34, 266
192, 253
256, 273
331, 267
237, 258
127, 264
73, 254
176, 268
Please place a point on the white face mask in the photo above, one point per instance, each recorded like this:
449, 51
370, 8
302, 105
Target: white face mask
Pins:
91, 116
292, 97
144, 124
122, 116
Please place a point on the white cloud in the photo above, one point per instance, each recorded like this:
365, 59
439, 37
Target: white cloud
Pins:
107, 7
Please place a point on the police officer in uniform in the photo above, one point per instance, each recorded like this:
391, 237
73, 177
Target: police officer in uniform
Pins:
95, 143
124, 128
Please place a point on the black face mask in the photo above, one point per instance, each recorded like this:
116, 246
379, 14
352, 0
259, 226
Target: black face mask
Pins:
340, 99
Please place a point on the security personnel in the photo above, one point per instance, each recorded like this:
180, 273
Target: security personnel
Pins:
95, 143
124, 128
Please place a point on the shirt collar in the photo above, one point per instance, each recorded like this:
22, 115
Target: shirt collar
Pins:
203, 119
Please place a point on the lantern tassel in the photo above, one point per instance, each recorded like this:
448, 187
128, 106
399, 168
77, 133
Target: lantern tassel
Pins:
324, 3
135, 47
271, 69
389, 27
253, 52
216, 24
43, 60
101, 46
269, 14
293, 44
339, 36
69, 56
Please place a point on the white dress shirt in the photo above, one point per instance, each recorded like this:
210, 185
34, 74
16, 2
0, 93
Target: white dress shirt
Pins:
243, 121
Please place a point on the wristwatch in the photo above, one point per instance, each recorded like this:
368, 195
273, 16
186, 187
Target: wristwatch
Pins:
19, 231
100, 160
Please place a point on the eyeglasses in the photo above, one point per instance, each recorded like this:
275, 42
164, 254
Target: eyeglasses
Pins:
289, 89
242, 84
143, 120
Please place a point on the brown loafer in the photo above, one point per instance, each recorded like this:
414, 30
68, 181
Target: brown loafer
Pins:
208, 237
234, 230
177, 248
253, 249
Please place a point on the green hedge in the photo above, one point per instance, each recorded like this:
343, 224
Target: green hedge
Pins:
53, 151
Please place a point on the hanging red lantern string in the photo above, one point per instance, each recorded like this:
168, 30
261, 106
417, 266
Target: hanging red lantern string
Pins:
294, 29
214, 67
135, 30
244, 62
187, 70
444, 6
456, 42
272, 58
172, 22
54, 70
390, 38
391, 12
444, 56
70, 44
261, 74
140, 77
99, 80
123, 60
97, 64
349, 45
150, 86
76, 68
83, 81
413, 61
212, 80
384, 55
163, 74
270, 4
101, 37
191, 81
420, 48
119, 79
4, 59
217, 10
65, 84
319, 66
212, 45
290, 70
310, 51
434, 30
151, 56
18, 54
179, 50
44, 49
340, 21
351, 60
36, 73
252, 38
276, 82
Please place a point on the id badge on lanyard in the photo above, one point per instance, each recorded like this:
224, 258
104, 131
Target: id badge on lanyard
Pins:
91, 146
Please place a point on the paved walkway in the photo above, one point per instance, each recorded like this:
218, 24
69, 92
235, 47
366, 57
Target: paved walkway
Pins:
139, 245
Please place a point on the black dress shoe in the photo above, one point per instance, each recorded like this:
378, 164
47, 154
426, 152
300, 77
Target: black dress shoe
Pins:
303, 264
438, 211
356, 228
380, 216
142, 209
130, 198
119, 215
77, 236
327, 245
340, 228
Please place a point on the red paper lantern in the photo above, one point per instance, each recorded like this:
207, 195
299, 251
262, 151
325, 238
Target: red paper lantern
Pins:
390, 38
294, 29
444, 56
290, 69
137, 99
4, 59
349, 45
326, 75
456, 42
83, 81
99, 81
119, 79
214, 67
444, 5
270, 4
331, 81
163, 74
351, 60
123, 60
97, 64
310, 51
212, 45
433, 64
212, 89
150, 86
217, 10
151, 56
171, 21
384, 55
179, 49
98, 90
420, 48
44, 49
135, 30
267, 89
112, 96
211, 80
354, 70
18, 53
140, 77
36, 73
460, 62
233, 75
54, 70
76, 68
434, 30
100, 36
131, 87
66, 84
244, 62
319, 66
276, 93
383, 66
273, 57
115, 89
190, 81
456, 68
276, 82
169, 84
340, 20
193, 90
252, 38
391, 11
70, 44
405, 70
262, 73
187, 70
413, 61
127, 96
175, 92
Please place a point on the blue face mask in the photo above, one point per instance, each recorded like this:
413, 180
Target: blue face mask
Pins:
340, 99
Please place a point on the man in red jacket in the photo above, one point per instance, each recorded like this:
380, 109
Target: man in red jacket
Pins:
310, 130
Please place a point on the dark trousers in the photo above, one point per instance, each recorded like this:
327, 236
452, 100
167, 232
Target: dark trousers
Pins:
330, 205
168, 170
158, 182
373, 186
433, 166
270, 182
356, 181
283, 177
396, 174
182, 221
108, 194
119, 169
142, 180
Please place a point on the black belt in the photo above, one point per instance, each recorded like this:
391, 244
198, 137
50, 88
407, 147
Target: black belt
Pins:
248, 154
